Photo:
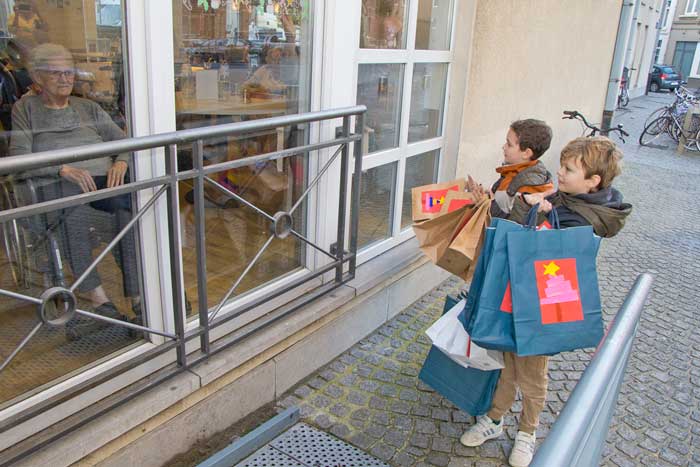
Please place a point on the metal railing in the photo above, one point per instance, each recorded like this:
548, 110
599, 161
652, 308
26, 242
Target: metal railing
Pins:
281, 226
578, 436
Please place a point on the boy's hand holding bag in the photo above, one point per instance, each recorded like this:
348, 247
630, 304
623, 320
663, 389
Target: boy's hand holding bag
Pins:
556, 299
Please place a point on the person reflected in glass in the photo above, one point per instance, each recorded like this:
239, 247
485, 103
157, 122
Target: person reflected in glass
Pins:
267, 78
26, 24
54, 119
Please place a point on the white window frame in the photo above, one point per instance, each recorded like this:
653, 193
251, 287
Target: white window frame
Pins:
408, 57
691, 8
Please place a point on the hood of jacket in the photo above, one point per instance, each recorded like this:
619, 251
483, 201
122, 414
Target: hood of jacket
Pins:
604, 209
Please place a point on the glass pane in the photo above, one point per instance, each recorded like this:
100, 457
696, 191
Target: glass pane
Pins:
376, 204
434, 26
61, 85
380, 88
420, 170
427, 101
382, 25
240, 61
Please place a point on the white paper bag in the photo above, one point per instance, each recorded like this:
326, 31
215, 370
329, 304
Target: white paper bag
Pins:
448, 335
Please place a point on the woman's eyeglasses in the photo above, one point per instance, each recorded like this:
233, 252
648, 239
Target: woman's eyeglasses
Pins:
56, 74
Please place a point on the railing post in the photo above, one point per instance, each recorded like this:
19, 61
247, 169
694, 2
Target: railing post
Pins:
200, 229
342, 202
355, 195
175, 253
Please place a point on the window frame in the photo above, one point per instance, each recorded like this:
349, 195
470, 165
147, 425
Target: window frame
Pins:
408, 57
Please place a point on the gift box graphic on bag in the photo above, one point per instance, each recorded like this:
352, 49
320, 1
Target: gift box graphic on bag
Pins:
557, 288
432, 201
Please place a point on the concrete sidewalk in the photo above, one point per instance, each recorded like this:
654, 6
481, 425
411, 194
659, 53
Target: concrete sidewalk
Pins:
371, 396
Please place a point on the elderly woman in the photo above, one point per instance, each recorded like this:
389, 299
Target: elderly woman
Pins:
54, 119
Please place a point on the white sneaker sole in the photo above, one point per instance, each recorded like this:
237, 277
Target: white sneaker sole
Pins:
486, 438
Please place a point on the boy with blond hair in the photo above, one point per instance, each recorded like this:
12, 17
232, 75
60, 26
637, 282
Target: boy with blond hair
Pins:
585, 197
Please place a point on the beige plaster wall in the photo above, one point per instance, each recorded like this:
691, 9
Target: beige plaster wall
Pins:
533, 59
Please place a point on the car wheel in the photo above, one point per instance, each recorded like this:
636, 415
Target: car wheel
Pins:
654, 86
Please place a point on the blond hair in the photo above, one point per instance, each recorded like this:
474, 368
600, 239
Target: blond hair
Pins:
598, 156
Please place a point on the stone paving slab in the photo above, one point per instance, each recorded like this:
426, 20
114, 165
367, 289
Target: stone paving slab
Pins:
371, 396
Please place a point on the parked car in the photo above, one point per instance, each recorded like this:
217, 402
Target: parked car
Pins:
664, 77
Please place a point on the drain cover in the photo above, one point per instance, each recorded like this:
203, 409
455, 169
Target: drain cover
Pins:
305, 446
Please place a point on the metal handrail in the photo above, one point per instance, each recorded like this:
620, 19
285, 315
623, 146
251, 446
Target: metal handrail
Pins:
578, 436
15, 164
343, 260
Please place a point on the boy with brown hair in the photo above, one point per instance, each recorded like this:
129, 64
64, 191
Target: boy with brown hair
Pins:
522, 171
585, 197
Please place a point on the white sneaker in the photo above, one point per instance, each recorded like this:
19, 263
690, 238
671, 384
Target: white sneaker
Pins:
523, 450
483, 430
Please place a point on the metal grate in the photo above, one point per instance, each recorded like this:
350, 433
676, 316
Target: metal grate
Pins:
306, 446
269, 457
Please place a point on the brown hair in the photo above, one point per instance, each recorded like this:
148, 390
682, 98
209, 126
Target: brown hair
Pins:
532, 134
598, 156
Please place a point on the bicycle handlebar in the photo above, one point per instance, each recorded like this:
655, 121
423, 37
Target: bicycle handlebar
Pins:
575, 114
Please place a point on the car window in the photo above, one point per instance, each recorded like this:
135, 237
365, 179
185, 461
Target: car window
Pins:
667, 69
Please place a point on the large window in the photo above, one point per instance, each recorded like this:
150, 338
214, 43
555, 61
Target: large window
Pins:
239, 61
403, 85
62, 85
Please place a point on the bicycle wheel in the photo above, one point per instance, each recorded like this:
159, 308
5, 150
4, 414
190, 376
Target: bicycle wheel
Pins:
624, 98
654, 115
693, 144
654, 130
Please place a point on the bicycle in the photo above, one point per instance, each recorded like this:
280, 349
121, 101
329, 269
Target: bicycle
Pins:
684, 97
623, 97
670, 121
594, 130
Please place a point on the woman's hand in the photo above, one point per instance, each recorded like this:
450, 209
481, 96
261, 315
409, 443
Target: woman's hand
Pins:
80, 177
115, 176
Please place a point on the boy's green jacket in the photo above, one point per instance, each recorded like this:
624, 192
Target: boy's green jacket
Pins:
604, 210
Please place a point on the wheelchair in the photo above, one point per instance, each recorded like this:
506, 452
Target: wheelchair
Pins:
35, 251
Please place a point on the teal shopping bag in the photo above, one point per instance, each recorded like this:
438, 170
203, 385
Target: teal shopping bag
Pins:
556, 299
466, 317
468, 388
491, 324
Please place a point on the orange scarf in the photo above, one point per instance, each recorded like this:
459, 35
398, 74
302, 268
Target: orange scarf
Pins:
508, 173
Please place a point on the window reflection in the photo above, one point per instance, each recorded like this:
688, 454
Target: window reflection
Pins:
61, 85
421, 169
383, 24
427, 101
376, 204
379, 87
241, 60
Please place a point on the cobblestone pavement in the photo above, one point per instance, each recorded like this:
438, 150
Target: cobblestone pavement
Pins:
371, 397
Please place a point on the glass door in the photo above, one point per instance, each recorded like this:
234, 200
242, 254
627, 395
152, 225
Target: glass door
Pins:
403, 68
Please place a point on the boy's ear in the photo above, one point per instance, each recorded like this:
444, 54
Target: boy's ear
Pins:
593, 182
529, 153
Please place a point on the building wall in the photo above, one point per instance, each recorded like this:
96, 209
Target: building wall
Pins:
685, 28
534, 59
641, 44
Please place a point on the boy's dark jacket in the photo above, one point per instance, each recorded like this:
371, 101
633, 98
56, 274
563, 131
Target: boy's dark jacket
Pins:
603, 209
528, 177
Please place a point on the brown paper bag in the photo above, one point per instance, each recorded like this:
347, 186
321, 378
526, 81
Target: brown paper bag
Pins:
457, 199
428, 199
468, 241
435, 235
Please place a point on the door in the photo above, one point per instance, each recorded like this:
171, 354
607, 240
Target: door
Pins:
683, 57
